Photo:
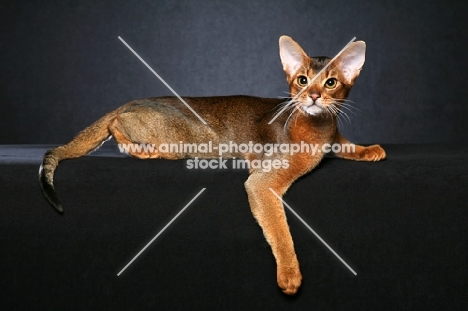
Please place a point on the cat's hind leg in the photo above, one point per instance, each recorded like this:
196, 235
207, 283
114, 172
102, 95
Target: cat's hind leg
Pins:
118, 130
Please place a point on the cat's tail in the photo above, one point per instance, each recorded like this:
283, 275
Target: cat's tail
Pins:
88, 140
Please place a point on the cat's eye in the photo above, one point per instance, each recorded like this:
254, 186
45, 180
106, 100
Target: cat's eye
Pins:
330, 83
302, 80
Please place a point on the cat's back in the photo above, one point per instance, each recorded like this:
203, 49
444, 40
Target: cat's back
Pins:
235, 107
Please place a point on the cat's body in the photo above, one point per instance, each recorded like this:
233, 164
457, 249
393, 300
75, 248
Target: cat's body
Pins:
250, 123
311, 118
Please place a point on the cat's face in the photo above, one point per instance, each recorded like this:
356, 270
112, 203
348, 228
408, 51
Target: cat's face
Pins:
324, 93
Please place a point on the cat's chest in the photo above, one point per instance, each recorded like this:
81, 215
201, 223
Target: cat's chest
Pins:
310, 130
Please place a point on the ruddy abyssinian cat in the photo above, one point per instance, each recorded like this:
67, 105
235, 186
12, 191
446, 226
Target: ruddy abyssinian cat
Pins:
310, 117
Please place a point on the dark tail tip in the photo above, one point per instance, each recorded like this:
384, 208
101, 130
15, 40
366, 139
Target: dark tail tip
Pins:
49, 192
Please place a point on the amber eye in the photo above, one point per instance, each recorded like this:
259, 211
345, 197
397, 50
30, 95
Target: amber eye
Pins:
302, 80
330, 83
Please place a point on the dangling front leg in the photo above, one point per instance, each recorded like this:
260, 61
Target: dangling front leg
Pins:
269, 212
359, 153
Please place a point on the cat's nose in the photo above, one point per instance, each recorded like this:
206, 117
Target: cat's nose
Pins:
314, 96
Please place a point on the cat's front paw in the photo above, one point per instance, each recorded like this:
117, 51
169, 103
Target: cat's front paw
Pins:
289, 279
372, 153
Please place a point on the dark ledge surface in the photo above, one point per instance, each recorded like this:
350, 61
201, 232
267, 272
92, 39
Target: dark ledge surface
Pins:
401, 224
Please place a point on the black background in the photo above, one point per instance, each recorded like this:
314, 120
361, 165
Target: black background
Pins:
63, 65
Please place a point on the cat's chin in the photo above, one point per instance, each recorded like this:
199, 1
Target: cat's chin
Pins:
313, 109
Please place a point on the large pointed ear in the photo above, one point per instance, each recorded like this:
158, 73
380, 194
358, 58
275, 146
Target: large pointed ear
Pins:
351, 60
292, 55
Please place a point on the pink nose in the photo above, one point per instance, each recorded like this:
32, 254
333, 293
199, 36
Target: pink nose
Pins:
314, 96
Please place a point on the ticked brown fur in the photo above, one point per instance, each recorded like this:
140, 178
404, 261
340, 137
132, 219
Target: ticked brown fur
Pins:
311, 117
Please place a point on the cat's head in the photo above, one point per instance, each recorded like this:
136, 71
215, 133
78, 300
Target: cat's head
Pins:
328, 90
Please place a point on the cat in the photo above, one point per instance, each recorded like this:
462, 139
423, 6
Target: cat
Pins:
310, 116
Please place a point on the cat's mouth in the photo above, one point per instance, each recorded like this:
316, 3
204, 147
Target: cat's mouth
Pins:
313, 109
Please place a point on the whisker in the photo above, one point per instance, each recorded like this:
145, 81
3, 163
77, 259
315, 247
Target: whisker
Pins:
285, 123
336, 110
297, 114
348, 109
342, 114
282, 104
294, 109
286, 106
346, 103
346, 117
331, 109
